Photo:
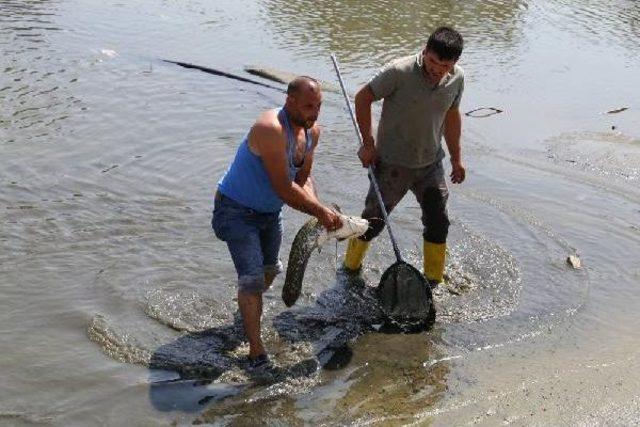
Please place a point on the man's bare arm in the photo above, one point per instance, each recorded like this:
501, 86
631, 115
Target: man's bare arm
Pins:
452, 134
270, 143
363, 101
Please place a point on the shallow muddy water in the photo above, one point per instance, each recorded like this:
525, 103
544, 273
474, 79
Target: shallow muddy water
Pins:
118, 302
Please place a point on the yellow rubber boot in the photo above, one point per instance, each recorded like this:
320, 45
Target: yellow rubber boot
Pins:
434, 258
356, 250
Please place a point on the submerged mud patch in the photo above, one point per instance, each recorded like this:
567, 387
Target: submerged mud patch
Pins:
386, 383
606, 154
340, 314
117, 343
208, 347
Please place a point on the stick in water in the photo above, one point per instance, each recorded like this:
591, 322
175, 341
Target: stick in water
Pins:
223, 74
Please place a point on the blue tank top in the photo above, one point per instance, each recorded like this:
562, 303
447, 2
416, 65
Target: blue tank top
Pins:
246, 181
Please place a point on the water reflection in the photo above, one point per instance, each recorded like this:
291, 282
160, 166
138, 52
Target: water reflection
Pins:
371, 33
397, 378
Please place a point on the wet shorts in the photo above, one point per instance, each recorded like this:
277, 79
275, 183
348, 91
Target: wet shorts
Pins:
253, 239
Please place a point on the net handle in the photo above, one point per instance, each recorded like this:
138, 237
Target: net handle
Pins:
370, 168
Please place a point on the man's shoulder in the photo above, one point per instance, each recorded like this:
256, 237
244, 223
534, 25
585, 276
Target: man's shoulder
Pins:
268, 123
266, 128
268, 120
457, 77
402, 64
458, 71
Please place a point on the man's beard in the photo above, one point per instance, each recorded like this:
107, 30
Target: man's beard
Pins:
299, 121
433, 77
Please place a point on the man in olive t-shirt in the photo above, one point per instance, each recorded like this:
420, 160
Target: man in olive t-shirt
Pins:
421, 99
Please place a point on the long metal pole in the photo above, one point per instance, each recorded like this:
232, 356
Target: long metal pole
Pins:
370, 168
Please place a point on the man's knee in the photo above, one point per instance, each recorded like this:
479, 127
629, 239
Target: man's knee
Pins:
251, 284
270, 273
435, 217
437, 231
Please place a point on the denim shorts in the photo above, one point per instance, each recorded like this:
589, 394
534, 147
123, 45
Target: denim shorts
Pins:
253, 239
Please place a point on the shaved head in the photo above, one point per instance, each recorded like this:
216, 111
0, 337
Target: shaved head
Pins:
303, 84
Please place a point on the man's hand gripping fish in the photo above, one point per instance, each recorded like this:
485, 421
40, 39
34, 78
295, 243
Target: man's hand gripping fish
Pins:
313, 235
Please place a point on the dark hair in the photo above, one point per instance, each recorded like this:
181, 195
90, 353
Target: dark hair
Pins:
300, 82
446, 42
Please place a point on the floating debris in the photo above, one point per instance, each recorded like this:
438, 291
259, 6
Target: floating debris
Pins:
109, 52
483, 112
574, 261
617, 110
109, 168
451, 289
284, 76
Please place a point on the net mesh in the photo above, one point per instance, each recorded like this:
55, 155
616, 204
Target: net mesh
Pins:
405, 297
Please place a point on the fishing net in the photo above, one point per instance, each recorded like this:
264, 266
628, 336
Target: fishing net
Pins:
405, 298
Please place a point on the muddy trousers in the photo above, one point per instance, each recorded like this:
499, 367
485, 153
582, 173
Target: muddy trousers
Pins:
429, 186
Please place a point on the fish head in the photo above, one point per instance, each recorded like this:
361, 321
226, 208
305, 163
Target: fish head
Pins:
352, 226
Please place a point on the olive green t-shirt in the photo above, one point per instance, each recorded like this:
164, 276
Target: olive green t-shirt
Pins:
412, 121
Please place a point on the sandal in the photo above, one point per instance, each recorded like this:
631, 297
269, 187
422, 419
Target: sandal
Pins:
260, 361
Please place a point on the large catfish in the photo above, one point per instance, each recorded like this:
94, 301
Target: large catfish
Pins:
312, 235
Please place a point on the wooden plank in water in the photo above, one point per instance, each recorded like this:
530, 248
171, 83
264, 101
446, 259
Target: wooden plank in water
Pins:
222, 73
284, 76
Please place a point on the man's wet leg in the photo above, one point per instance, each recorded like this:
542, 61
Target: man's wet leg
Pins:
393, 185
250, 304
436, 228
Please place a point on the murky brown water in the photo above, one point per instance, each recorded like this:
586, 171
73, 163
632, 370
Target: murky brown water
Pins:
108, 267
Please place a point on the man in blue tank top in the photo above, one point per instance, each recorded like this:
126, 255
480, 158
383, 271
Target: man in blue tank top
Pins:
271, 168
